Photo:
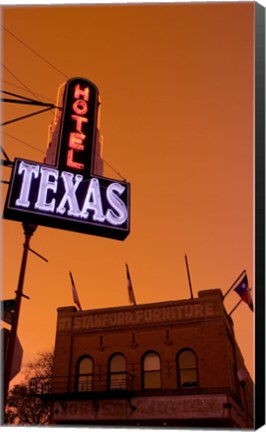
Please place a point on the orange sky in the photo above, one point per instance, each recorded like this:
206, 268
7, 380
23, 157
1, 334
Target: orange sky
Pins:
176, 84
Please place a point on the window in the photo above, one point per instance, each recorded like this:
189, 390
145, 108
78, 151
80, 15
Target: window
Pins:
187, 368
117, 372
84, 374
151, 371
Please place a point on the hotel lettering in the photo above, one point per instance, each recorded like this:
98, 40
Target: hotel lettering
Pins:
77, 138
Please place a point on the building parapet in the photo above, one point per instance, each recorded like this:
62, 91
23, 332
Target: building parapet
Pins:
207, 305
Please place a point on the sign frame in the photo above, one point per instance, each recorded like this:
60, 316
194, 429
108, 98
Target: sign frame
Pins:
62, 221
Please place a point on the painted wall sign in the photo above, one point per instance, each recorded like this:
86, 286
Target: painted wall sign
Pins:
138, 316
67, 195
164, 407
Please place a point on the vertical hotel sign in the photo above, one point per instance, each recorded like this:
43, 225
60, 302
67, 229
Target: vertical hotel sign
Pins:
78, 127
67, 195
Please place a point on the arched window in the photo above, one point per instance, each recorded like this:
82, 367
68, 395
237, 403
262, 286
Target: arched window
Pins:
117, 372
151, 369
187, 369
84, 374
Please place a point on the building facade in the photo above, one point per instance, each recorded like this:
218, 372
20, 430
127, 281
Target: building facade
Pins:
162, 364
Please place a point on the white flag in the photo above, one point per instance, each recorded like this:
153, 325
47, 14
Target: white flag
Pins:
130, 287
74, 292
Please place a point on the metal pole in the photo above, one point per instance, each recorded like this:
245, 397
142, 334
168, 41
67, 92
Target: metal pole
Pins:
236, 306
28, 232
189, 280
231, 287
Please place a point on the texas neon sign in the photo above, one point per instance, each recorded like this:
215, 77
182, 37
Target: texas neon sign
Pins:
43, 195
68, 195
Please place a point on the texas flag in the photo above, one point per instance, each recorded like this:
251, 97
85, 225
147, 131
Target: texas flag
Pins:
243, 290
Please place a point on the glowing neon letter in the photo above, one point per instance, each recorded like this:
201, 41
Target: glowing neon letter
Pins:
29, 171
70, 194
75, 140
121, 214
79, 121
80, 107
45, 185
71, 163
93, 202
78, 93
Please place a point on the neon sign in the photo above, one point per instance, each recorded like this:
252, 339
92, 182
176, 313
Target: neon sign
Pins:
43, 195
67, 195
80, 108
76, 143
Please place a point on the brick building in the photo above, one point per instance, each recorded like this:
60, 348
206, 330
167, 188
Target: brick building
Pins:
162, 364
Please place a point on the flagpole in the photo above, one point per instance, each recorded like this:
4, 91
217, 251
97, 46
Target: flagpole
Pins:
189, 280
232, 286
236, 306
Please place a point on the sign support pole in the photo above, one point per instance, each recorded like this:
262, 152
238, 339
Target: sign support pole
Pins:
29, 230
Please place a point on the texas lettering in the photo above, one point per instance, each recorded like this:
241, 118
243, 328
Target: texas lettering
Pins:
45, 195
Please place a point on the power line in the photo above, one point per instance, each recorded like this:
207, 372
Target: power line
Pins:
21, 82
26, 116
23, 142
24, 100
36, 53
40, 151
22, 88
110, 166
24, 85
